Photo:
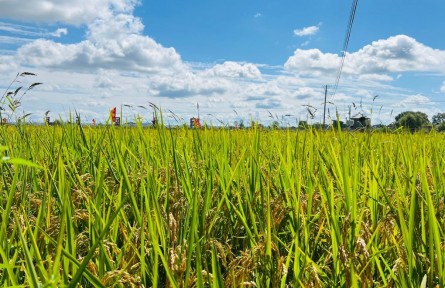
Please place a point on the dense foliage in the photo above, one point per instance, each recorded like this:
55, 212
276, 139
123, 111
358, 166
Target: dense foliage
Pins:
136, 207
412, 120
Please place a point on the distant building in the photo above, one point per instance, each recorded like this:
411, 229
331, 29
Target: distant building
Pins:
361, 121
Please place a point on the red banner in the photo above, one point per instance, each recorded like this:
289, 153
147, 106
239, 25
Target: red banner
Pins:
113, 114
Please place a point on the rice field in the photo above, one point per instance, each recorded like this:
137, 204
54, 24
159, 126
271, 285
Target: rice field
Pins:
139, 207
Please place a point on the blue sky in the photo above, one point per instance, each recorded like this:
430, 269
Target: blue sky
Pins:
238, 59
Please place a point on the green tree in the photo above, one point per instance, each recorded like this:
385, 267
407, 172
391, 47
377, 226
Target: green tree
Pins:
274, 125
438, 119
57, 122
412, 120
441, 127
303, 125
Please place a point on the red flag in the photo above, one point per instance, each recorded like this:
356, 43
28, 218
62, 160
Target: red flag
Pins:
113, 114
197, 124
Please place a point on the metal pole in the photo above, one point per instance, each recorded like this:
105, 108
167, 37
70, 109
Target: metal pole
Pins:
324, 113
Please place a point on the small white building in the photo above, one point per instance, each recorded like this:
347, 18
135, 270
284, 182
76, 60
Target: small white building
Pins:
361, 121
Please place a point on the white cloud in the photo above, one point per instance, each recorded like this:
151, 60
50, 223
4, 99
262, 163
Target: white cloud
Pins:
188, 85
271, 103
341, 97
306, 31
6, 66
235, 70
375, 77
14, 40
25, 30
308, 93
257, 15
113, 43
396, 54
59, 32
312, 62
114, 39
442, 89
76, 12
413, 100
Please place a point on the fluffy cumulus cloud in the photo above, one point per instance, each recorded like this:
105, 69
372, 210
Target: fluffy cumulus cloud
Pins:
312, 62
114, 38
188, 85
396, 54
235, 70
112, 43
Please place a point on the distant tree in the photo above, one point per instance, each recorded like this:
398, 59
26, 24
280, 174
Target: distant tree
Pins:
379, 126
241, 124
336, 123
441, 127
412, 120
438, 119
274, 125
317, 126
58, 122
303, 125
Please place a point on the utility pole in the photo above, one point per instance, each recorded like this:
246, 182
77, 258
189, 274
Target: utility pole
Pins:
324, 112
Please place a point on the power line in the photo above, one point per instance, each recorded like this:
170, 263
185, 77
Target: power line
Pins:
346, 44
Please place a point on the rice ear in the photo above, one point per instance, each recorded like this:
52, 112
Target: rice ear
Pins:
34, 85
27, 74
17, 90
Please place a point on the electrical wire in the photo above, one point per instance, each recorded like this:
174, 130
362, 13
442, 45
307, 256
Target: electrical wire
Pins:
345, 44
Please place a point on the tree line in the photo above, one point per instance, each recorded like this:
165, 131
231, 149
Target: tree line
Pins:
417, 120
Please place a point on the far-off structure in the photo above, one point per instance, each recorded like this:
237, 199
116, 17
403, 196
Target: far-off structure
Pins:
194, 123
360, 121
114, 119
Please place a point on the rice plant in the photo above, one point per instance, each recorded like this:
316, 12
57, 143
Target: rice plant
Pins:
139, 207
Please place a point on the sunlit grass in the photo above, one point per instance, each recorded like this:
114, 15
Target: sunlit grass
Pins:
138, 207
